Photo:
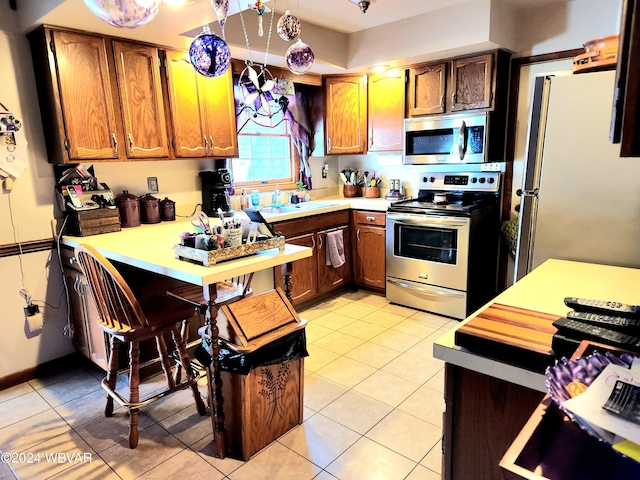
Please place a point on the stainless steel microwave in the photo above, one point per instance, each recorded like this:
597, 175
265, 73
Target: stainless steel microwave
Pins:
459, 138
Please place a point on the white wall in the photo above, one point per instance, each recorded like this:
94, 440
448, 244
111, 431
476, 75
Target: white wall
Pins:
25, 214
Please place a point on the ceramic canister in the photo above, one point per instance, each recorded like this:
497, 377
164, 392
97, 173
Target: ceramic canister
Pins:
129, 209
167, 210
149, 209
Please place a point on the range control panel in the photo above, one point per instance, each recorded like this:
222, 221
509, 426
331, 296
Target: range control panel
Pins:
472, 182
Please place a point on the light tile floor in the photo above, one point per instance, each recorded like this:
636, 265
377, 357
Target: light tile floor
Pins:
373, 410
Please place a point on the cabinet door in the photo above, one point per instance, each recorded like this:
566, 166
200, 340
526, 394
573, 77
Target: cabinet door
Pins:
386, 111
330, 278
472, 80
188, 118
346, 111
85, 96
88, 337
427, 89
304, 284
369, 261
138, 70
217, 94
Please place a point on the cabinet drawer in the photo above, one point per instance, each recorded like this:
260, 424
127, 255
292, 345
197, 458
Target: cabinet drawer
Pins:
370, 218
292, 228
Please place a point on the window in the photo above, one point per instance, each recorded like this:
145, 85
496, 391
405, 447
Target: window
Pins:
267, 154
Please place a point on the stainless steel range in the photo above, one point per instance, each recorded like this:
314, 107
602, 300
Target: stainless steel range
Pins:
442, 247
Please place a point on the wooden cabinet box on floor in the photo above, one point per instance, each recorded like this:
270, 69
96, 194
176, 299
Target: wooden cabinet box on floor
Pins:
267, 401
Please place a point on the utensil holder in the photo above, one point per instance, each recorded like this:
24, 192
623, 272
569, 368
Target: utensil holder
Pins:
352, 191
371, 192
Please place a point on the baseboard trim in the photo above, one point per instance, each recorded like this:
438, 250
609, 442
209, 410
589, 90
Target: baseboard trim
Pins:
43, 370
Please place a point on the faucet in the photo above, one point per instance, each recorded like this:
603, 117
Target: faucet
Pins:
275, 195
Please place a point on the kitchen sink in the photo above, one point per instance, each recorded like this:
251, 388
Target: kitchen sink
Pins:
298, 207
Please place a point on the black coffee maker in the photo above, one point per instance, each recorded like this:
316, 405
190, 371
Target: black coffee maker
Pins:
215, 192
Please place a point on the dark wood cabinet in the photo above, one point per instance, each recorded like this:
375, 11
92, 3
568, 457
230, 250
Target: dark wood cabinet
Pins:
304, 279
331, 278
476, 82
77, 101
345, 114
203, 121
427, 89
385, 111
369, 244
472, 83
141, 100
88, 337
625, 122
311, 276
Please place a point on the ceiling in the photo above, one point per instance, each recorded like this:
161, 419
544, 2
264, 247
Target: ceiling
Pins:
329, 23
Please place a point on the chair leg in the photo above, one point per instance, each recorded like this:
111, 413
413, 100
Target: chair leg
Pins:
112, 374
134, 393
184, 333
164, 360
186, 364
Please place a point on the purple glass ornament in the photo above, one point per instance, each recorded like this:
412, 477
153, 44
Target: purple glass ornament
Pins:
209, 54
288, 27
124, 13
299, 58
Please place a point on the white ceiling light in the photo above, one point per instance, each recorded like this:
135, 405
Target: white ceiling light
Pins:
363, 4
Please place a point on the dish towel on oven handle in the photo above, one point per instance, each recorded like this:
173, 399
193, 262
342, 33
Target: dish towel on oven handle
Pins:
335, 249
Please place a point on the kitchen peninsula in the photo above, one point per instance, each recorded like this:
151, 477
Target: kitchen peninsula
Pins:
150, 249
488, 400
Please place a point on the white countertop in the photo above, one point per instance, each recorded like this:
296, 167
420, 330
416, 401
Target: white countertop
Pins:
544, 290
333, 204
150, 247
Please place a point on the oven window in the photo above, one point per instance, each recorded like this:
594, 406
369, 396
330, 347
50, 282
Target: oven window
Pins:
431, 142
426, 243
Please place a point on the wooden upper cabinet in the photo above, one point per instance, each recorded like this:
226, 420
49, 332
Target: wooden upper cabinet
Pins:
85, 113
202, 110
345, 114
427, 89
386, 111
220, 113
188, 119
472, 83
140, 88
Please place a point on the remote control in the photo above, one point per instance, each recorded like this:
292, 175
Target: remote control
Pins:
575, 328
606, 321
602, 307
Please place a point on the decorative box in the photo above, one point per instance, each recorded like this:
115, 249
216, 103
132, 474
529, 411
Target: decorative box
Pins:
93, 222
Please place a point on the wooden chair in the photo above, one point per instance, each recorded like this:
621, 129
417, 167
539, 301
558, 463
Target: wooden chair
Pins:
126, 320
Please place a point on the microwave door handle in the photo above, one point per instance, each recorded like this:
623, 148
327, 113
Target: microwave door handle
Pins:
462, 140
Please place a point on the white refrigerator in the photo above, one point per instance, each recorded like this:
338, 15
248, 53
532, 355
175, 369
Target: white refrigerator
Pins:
579, 200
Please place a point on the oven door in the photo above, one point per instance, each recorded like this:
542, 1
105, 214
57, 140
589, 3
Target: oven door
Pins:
428, 249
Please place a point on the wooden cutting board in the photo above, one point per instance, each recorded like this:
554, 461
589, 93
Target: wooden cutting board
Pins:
515, 335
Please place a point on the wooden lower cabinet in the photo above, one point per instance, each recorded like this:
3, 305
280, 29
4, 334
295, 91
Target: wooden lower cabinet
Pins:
483, 415
88, 337
312, 276
369, 244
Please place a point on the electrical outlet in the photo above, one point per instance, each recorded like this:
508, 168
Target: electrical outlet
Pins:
33, 317
325, 170
152, 184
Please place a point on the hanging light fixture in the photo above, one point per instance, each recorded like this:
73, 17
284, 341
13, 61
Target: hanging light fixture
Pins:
363, 4
124, 13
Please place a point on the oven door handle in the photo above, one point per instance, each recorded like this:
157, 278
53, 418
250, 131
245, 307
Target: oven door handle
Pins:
423, 220
427, 291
